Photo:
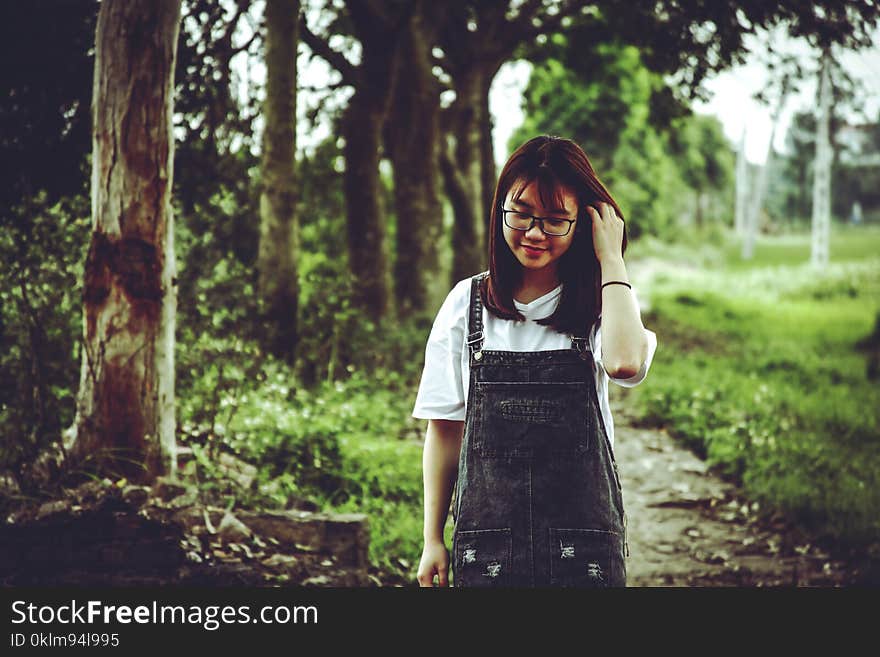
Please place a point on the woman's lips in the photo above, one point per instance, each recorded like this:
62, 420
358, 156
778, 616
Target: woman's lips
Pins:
532, 251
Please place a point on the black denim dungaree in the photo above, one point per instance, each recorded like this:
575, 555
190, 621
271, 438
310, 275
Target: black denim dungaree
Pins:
538, 501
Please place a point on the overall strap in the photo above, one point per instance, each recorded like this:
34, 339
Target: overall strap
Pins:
475, 317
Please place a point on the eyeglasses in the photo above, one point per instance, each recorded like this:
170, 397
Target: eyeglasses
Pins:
551, 226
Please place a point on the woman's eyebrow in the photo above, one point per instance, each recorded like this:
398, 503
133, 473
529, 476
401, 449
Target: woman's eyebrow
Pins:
529, 206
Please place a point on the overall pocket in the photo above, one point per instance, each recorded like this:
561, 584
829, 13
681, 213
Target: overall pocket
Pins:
583, 558
532, 418
481, 558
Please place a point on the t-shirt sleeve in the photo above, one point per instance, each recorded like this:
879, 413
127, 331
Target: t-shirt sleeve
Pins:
441, 393
642, 373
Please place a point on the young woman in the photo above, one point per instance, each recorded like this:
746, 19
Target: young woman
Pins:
515, 387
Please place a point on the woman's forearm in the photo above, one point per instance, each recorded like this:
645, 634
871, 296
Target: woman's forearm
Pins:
624, 343
440, 470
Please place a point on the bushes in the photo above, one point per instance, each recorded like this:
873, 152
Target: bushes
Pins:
346, 445
42, 250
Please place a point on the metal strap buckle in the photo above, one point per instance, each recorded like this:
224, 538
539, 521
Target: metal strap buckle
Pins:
579, 343
474, 338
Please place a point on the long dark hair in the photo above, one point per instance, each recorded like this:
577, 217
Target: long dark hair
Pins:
552, 163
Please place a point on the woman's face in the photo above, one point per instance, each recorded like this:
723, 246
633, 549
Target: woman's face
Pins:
533, 248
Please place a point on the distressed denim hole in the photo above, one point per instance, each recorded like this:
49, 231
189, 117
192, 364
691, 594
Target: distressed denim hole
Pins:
482, 558
583, 558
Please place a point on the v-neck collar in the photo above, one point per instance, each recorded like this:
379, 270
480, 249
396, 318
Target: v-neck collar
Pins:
544, 297
541, 307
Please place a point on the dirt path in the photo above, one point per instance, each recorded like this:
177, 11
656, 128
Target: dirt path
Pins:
687, 527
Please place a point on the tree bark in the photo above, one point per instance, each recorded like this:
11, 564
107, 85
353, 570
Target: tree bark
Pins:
378, 27
471, 125
125, 407
276, 260
753, 218
362, 127
487, 150
412, 136
464, 222
361, 183
698, 215
477, 38
821, 216
468, 254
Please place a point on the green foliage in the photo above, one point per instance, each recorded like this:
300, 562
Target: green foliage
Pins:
42, 250
334, 430
325, 297
346, 445
593, 113
217, 352
654, 175
334, 336
705, 159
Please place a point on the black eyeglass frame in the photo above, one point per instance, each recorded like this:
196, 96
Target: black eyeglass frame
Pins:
539, 220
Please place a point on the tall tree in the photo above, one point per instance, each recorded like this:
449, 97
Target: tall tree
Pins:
276, 261
125, 408
741, 200
786, 74
822, 170
377, 27
704, 157
476, 38
412, 136
687, 38
796, 170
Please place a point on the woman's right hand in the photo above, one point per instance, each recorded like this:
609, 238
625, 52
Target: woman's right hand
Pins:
435, 561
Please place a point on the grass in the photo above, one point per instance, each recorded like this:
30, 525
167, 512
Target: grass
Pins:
847, 244
347, 446
758, 369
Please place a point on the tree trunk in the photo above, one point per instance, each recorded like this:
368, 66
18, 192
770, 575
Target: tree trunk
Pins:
742, 188
464, 221
753, 220
468, 254
362, 127
698, 215
413, 134
487, 158
125, 408
471, 125
278, 285
821, 219
361, 183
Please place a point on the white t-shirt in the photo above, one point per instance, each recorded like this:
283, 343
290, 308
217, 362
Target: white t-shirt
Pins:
443, 389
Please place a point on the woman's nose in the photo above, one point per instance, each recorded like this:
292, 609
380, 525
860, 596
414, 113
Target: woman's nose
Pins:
535, 233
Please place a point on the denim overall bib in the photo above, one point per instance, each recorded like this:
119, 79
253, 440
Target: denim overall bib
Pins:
538, 501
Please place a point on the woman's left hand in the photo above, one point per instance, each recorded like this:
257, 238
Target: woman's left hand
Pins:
607, 231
